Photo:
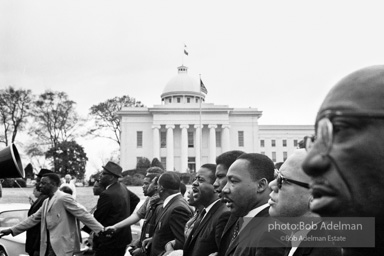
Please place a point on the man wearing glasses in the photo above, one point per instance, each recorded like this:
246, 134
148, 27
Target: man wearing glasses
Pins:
346, 159
290, 197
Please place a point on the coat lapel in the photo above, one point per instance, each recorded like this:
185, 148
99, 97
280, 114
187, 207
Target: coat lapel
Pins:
165, 209
52, 201
193, 235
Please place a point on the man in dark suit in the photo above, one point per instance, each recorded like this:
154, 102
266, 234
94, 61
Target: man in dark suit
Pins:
171, 221
202, 239
32, 243
291, 197
115, 204
246, 194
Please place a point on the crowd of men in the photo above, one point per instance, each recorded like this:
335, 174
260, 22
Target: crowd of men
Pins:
338, 172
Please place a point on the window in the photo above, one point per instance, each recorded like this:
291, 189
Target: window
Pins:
262, 143
178, 100
139, 139
241, 138
163, 161
273, 143
190, 140
163, 139
218, 139
170, 100
262, 152
284, 143
274, 156
285, 156
197, 100
295, 143
188, 100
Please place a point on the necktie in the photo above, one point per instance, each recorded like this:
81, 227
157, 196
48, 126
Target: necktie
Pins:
237, 228
199, 219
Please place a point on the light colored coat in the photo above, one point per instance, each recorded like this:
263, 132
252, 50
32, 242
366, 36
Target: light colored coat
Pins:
58, 216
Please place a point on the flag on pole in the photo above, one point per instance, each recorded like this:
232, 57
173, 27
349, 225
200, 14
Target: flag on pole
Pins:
185, 50
203, 88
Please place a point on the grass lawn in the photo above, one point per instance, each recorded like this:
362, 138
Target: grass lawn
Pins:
84, 195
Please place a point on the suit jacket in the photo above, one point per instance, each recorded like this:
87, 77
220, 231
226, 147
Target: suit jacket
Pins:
58, 216
32, 243
305, 250
202, 240
113, 206
226, 235
170, 225
252, 240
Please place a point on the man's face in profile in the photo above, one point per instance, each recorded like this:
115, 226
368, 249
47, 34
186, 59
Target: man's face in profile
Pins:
348, 178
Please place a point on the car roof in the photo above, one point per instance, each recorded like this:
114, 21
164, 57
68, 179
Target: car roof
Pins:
14, 206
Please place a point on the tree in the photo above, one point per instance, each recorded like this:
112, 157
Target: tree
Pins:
15, 108
55, 118
157, 163
56, 121
106, 118
142, 165
69, 158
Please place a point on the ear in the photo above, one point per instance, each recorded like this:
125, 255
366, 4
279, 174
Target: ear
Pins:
262, 185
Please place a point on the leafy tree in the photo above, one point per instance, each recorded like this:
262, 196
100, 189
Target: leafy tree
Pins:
142, 165
15, 108
56, 121
157, 163
55, 118
69, 158
106, 118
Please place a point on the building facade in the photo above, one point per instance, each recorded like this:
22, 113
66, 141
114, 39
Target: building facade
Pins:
185, 132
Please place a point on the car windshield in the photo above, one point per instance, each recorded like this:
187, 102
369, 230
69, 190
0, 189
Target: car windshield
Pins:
11, 218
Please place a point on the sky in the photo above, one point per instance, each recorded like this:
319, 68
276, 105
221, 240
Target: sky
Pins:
280, 57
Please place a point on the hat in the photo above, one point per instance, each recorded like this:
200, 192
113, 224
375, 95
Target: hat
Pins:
42, 172
113, 168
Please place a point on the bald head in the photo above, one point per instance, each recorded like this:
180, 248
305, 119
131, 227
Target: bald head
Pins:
292, 166
362, 89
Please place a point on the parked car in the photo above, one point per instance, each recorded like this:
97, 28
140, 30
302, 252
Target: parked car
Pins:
10, 215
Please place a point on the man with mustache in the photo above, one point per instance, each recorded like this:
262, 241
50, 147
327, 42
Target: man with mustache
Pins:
246, 194
346, 159
202, 239
223, 162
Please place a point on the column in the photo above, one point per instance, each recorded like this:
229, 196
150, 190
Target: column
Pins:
225, 137
197, 146
184, 147
156, 141
212, 143
170, 156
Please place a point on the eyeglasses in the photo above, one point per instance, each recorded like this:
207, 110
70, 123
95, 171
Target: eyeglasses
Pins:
281, 179
324, 128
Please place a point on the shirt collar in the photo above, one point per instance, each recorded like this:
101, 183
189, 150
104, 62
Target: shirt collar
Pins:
210, 206
252, 213
166, 201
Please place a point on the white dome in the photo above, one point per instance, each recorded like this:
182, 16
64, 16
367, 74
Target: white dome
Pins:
182, 84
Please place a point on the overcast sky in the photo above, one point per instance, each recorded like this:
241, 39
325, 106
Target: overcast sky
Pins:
281, 57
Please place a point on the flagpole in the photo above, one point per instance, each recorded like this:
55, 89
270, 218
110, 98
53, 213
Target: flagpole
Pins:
200, 125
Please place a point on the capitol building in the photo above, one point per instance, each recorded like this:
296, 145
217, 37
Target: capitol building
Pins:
185, 132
